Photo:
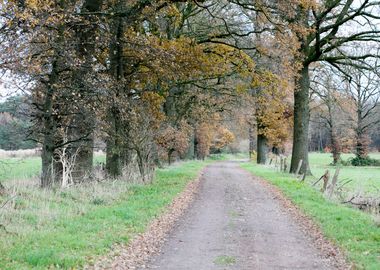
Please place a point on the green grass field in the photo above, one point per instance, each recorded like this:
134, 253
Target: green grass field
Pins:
25, 168
44, 229
19, 168
354, 231
365, 180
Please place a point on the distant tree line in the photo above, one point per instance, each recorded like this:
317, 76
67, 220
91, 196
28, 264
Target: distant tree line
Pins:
15, 124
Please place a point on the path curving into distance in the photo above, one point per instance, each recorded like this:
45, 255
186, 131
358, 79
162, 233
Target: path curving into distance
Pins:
236, 223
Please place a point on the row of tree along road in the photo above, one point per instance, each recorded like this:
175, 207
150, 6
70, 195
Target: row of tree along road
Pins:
155, 80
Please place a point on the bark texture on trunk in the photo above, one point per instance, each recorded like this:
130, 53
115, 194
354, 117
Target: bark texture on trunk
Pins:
362, 140
251, 141
84, 151
191, 150
170, 153
115, 145
196, 142
50, 169
301, 123
47, 158
335, 146
262, 149
83, 123
362, 145
113, 161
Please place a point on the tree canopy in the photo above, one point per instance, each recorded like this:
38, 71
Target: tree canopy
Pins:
153, 79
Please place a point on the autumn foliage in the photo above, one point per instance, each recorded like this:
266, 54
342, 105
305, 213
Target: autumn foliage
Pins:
153, 80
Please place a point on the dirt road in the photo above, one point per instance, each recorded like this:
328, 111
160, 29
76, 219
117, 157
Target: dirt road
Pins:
235, 223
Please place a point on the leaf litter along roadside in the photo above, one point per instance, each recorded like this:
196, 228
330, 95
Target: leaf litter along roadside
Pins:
144, 245
327, 248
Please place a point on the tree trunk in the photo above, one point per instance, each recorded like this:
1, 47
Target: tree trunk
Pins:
47, 157
170, 153
115, 147
169, 106
362, 145
275, 150
156, 157
84, 159
141, 168
251, 141
301, 123
84, 149
141, 164
113, 161
335, 145
362, 142
197, 155
262, 149
191, 150
50, 169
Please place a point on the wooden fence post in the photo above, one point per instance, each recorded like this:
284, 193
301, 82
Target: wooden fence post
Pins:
326, 179
333, 183
285, 165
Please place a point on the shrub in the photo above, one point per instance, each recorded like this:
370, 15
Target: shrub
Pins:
367, 161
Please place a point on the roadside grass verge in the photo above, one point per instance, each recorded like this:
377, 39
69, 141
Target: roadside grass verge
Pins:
352, 230
72, 227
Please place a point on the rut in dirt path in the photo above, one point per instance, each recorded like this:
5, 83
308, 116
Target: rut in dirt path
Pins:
235, 223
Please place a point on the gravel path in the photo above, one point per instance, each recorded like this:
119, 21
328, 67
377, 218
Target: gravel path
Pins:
235, 222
